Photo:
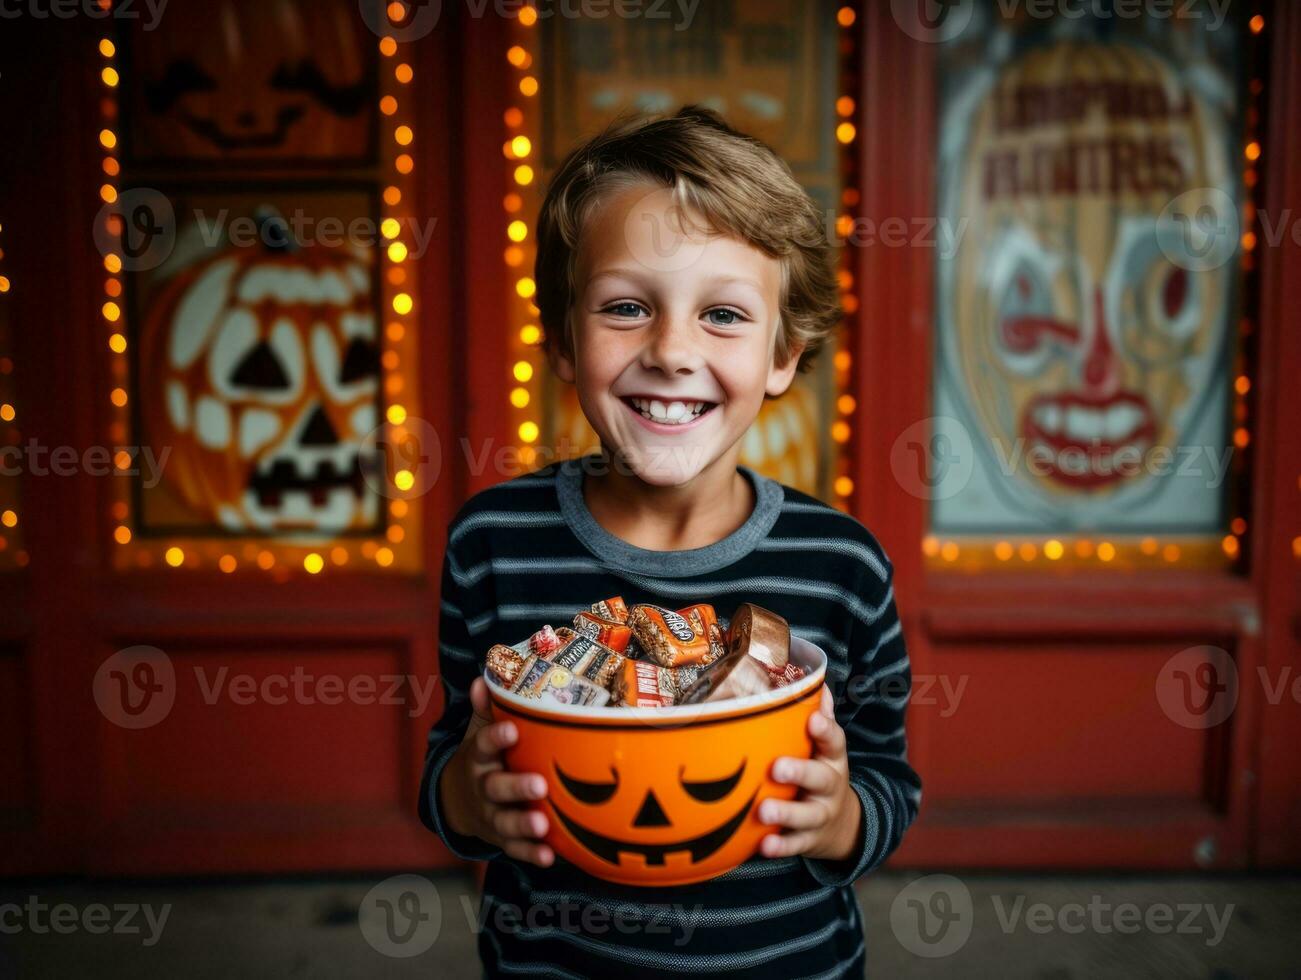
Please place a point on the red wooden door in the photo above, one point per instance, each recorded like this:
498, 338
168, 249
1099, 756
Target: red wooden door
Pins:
1036, 719
291, 719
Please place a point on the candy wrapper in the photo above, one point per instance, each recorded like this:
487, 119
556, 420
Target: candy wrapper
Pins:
648, 656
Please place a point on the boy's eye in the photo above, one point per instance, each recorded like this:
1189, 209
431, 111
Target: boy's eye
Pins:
724, 317
628, 309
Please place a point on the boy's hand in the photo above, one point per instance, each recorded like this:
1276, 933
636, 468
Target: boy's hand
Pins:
826, 821
482, 800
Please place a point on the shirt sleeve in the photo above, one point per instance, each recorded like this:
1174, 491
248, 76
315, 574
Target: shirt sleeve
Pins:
459, 666
871, 709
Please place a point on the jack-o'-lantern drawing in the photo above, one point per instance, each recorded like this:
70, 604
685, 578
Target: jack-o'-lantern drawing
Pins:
260, 372
1074, 328
252, 79
662, 796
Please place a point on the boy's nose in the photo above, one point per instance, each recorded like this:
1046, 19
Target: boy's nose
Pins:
671, 347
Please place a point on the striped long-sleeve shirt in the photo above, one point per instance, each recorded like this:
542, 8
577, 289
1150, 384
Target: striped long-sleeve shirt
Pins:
529, 552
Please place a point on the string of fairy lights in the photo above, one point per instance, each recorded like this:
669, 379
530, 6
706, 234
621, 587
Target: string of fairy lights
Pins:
523, 197
398, 548
1138, 551
12, 553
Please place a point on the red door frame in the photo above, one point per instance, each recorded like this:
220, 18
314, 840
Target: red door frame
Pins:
892, 373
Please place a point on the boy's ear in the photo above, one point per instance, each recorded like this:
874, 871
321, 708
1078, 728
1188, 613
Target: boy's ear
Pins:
780, 376
562, 364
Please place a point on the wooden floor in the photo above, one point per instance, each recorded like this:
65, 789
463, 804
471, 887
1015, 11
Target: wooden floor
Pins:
1046, 927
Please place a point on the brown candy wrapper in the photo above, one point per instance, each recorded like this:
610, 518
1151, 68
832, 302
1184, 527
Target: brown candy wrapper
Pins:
505, 664
673, 639
642, 684
735, 676
762, 634
613, 609
614, 635
544, 680
586, 657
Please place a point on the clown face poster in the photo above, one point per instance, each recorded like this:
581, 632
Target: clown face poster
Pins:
1089, 171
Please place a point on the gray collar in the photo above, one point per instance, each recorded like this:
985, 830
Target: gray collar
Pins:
666, 564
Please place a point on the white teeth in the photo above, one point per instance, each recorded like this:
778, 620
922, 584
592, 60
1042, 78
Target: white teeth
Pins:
1087, 424
672, 413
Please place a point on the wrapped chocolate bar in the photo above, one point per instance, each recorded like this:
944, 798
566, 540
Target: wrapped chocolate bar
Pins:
586, 657
760, 633
737, 675
505, 665
614, 635
642, 684
613, 609
675, 639
549, 682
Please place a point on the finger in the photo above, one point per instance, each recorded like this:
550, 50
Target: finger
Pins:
828, 737
787, 845
509, 787
491, 739
828, 703
792, 814
480, 703
813, 775
538, 854
512, 823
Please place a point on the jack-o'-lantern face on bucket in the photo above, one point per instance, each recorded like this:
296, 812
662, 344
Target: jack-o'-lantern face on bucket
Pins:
653, 833
1079, 332
263, 379
669, 797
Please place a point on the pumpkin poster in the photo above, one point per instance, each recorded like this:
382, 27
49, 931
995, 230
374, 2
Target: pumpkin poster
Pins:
1084, 322
237, 83
771, 68
258, 360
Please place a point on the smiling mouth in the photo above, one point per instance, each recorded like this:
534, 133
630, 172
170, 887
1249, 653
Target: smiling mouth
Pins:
700, 847
271, 483
669, 412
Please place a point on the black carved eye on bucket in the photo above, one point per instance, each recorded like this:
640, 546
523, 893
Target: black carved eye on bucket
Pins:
713, 790
586, 792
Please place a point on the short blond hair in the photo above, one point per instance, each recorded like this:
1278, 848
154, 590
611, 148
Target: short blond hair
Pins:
736, 182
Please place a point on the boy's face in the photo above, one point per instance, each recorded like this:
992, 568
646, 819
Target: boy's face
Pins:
674, 332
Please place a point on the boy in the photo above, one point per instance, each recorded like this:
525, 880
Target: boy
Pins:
683, 277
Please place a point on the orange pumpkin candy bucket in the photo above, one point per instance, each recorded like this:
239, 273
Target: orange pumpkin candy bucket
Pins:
662, 796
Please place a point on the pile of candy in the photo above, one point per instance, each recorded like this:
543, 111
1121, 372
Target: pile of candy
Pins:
647, 656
